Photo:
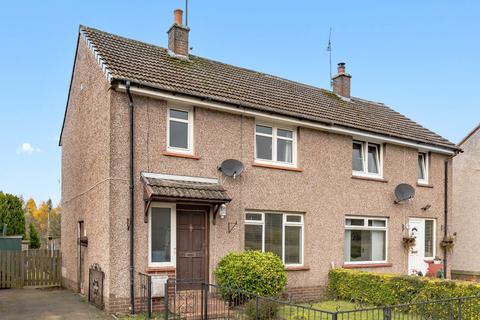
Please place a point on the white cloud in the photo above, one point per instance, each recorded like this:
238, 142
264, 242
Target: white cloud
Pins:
27, 148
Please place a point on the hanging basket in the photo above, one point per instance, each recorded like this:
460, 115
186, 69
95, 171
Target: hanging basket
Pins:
448, 243
408, 242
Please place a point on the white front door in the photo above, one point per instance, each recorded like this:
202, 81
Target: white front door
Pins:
423, 231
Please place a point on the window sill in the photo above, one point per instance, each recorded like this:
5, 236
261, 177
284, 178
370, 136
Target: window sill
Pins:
159, 269
297, 268
366, 178
366, 265
180, 155
424, 185
271, 166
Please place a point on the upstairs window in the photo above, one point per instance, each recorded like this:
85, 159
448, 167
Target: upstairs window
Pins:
366, 159
180, 130
422, 168
275, 145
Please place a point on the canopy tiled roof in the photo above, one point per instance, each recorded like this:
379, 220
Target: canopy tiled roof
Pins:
151, 65
188, 190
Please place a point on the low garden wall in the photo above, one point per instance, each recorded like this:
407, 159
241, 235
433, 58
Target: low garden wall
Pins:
390, 289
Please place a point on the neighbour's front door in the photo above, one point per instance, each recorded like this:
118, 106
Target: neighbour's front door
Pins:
191, 244
423, 230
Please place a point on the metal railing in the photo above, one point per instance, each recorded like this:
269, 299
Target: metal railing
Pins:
198, 300
144, 303
463, 308
194, 300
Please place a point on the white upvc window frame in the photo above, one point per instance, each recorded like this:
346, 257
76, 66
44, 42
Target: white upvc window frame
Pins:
173, 234
364, 150
256, 223
366, 227
434, 238
425, 167
275, 137
285, 223
189, 150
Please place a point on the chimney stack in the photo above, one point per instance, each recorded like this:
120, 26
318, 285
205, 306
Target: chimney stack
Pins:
178, 36
341, 81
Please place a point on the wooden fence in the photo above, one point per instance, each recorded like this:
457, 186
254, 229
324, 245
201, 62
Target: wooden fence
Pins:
30, 268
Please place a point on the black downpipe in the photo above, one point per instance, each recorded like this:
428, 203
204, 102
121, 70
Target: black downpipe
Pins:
445, 222
132, 196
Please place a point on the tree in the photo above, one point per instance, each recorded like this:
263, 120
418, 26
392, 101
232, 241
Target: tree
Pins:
45, 218
34, 238
49, 204
41, 217
30, 208
55, 222
11, 213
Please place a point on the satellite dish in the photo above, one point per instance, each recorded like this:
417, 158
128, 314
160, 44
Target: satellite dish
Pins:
404, 192
231, 168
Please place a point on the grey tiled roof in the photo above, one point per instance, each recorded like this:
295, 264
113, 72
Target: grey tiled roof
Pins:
151, 65
188, 190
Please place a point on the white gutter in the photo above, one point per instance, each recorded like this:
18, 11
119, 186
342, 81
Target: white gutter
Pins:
357, 134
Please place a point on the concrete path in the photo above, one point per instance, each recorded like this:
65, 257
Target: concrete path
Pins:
46, 304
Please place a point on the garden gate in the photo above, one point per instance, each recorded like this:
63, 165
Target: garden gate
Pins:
30, 268
95, 285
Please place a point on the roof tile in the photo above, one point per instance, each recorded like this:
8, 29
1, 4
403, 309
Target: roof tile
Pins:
187, 189
152, 65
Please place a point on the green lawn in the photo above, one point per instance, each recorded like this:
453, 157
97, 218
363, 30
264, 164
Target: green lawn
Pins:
334, 305
366, 312
299, 313
303, 312
287, 312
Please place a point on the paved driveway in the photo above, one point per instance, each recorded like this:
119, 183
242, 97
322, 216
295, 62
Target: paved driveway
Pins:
48, 304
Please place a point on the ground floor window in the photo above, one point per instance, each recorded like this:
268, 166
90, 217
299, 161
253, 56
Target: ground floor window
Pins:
280, 233
365, 240
161, 235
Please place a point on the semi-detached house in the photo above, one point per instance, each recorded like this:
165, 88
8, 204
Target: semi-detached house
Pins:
147, 127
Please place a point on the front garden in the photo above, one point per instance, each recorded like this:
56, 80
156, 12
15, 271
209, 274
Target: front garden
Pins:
352, 294
250, 285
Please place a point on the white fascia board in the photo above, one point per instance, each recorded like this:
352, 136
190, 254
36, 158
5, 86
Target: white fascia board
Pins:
178, 178
356, 134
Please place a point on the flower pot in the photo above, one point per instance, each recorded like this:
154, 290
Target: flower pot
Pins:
408, 242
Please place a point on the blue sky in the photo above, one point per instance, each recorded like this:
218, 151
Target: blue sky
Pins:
420, 57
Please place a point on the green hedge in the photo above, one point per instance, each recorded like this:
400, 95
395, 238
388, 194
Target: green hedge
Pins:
390, 289
261, 273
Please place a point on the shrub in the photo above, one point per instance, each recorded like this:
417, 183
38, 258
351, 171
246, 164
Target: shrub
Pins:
389, 289
267, 309
33, 237
261, 273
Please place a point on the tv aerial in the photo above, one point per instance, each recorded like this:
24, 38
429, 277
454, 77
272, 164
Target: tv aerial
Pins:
404, 192
232, 168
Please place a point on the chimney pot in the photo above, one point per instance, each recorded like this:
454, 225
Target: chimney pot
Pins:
341, 81
178, 16
178, 36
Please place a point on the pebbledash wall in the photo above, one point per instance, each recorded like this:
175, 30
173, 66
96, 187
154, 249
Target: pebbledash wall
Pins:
95, 162
86, 170
466, 204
